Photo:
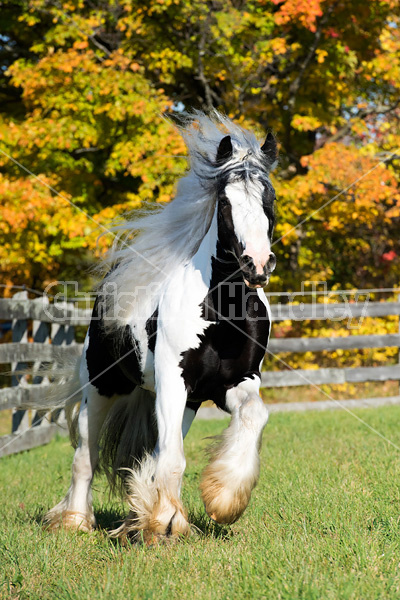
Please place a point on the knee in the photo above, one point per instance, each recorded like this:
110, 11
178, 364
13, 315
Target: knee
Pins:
253, 412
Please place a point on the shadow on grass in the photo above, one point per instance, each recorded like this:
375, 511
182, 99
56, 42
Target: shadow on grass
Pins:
202, 525
106, 518
38, 516
110, 518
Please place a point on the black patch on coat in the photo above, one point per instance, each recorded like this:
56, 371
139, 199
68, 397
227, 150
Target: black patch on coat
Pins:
151, 330
231, 349
227, 238
268, 202
112, 357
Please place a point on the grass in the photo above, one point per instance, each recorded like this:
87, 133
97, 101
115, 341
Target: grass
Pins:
323, 523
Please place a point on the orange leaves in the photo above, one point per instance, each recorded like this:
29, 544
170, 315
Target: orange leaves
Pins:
345, 211
102, 109
36, 229
279, 45
99, 75
81, 45
321, 55
305, 12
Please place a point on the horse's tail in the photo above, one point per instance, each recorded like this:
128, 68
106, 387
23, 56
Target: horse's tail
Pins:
128, 435
64, 391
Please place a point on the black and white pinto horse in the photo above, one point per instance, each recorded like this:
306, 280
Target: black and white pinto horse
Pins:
180, 318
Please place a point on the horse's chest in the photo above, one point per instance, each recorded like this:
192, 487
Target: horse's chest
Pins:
229, 351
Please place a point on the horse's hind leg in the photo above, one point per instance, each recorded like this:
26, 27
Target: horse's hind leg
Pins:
75, 511
233, 472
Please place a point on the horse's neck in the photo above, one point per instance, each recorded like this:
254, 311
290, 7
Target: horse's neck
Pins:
215, 264
202, 260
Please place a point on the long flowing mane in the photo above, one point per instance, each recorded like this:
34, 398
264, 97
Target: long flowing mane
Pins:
151, 246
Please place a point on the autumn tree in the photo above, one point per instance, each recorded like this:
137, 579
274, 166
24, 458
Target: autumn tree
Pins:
84, 84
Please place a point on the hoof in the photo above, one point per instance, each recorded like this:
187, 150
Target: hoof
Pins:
225, 508
151, 540
155, 533
155, 515
224, 501
73, 521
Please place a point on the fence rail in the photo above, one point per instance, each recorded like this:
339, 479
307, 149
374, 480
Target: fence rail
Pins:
320, 376
34, 351
352, 342
53, 333
337, 311
40, 310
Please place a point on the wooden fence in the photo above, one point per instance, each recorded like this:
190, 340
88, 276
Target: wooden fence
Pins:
337, 312
46, 324
55, 323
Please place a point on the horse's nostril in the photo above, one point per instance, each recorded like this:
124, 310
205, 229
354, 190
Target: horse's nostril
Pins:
271, 263
247, 261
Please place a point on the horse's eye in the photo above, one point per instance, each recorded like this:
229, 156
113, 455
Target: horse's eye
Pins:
223, 201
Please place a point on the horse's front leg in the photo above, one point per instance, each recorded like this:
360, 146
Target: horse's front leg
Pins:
233, 472
154, 487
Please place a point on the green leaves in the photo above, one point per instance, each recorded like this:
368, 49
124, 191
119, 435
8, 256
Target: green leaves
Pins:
84, 87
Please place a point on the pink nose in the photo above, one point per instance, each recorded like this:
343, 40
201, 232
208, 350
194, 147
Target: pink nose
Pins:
267, 267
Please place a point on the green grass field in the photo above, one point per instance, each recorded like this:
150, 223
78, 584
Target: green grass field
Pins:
322, 524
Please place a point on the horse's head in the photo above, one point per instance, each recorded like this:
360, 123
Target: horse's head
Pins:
245, 200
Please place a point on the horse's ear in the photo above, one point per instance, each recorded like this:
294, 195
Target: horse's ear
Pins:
270, 148
224, 149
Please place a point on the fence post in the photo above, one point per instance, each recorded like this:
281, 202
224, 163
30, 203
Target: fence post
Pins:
41, 334
62, 335
20, 418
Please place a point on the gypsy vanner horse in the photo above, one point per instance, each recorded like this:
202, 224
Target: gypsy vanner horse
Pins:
180, 317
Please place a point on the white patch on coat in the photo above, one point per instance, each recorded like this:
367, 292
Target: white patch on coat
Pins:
250, 221
179, 307
263, 298
180, 311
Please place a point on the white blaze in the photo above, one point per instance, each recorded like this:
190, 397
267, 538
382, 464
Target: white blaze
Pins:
250, 221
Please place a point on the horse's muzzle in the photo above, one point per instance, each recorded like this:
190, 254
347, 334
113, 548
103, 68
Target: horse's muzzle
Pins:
251, 277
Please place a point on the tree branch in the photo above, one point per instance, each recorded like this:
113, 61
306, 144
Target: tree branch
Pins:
379, 109
201, 75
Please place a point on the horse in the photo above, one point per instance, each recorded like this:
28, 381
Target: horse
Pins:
181, 317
